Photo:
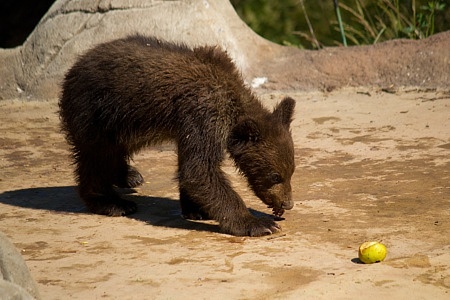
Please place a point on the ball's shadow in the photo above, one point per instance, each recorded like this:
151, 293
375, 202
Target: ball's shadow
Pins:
156, 211
356, 260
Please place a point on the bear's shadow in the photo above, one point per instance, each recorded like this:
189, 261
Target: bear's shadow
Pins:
156, 211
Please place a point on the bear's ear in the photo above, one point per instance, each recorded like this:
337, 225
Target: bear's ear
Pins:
245, 131
284, 111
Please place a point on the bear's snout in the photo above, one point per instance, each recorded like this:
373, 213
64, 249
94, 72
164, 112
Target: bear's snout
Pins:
284, 193
287, 204
278, 197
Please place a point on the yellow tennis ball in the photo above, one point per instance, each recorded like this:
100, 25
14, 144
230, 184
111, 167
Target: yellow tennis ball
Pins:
372, 252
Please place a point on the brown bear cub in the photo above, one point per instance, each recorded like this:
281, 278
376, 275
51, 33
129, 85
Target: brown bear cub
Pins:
137, 91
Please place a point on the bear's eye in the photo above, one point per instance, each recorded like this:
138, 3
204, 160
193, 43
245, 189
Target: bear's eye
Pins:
276, 178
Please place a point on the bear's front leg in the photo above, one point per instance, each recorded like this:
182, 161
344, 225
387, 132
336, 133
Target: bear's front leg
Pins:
251, 226
205, 192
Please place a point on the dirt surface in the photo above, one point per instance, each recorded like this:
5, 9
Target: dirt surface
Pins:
371, 165
412, 63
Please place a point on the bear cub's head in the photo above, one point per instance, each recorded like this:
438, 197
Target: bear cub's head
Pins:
263, 150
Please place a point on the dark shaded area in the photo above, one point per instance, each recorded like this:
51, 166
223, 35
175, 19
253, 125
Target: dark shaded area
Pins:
18, 19
156, 211
59, 199
357, 261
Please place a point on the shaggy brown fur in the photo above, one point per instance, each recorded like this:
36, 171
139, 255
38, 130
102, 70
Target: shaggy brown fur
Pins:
127, 94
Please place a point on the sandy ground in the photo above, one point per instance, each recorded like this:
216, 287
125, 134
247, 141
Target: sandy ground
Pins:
371, 165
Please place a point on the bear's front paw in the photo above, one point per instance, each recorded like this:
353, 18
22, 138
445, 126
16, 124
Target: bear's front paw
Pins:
252, 226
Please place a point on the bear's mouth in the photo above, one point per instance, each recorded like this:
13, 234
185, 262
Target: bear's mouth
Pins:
278, 207
276, 211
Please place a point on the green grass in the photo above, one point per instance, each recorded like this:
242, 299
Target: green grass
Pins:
390, 21
314, 23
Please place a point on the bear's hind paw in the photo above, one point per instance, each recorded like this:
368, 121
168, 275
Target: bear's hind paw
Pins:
115, 207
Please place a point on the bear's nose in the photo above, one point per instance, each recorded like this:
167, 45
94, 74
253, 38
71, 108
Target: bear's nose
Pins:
289, 204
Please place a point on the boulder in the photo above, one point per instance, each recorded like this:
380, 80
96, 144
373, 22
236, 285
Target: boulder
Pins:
70, 27
35, 69
15, 279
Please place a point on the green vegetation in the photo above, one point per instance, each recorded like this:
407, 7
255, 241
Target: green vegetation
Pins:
314, 23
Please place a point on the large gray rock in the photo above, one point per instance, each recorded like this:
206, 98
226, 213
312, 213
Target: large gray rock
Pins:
35, 69
15, 279
70, 27
11, 291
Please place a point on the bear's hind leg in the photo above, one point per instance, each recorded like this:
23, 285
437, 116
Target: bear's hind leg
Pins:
189, 209
128, 177
97, 171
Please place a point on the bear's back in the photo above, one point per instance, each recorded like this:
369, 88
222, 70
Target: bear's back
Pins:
148, 89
